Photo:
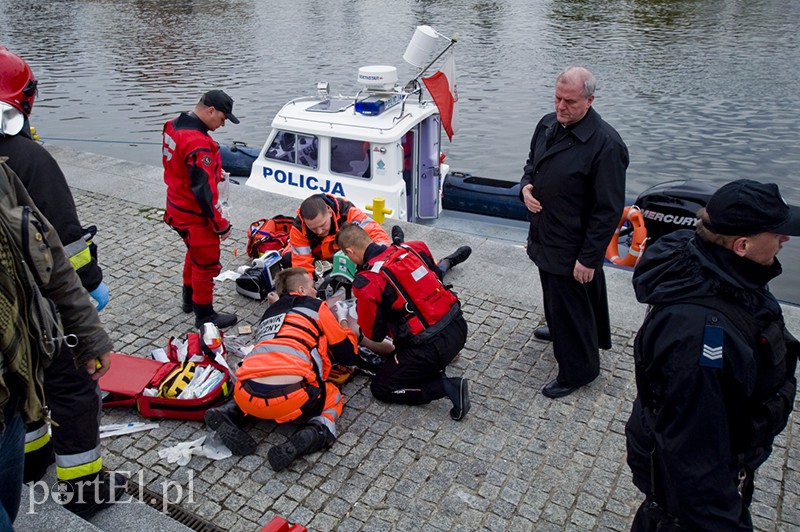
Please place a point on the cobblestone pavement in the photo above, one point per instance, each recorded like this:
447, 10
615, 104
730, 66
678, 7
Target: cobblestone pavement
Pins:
518, 462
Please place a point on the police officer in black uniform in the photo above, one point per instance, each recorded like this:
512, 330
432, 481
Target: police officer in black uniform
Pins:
714, 362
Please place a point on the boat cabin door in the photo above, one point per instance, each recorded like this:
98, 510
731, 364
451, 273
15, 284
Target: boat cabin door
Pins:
420, 148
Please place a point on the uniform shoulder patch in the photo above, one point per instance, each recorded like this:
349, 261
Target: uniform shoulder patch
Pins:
206, 160
360, 281
711, 356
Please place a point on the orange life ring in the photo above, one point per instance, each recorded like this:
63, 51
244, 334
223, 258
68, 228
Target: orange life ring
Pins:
636, 218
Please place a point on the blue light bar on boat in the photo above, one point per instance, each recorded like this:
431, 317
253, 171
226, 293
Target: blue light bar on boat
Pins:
375, 105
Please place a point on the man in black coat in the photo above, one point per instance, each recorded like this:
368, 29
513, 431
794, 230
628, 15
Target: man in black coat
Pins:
574, 187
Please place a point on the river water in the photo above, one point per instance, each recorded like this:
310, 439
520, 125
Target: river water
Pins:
701, 89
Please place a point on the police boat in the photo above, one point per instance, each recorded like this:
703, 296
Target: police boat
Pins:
383, 143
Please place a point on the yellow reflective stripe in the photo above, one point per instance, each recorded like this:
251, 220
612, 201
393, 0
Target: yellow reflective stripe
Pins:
78, 253
37, 439
78, 459
84, 470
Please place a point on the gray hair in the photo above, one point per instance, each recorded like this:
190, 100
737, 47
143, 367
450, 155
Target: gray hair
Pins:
578, 73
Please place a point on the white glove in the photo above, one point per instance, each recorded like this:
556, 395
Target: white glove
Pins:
208, 446
182, 452
341, 309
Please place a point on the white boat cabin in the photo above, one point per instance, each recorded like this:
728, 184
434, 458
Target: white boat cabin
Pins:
382, 143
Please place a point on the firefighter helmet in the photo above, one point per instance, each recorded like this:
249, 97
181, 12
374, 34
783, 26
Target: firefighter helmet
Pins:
17, 82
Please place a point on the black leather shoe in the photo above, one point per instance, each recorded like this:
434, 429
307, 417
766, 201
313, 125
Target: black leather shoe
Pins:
543, 333
554, 390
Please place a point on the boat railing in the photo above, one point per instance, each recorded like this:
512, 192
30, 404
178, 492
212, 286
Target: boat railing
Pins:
406, 95
304, 99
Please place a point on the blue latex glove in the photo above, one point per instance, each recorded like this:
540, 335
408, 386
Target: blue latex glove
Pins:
100, 294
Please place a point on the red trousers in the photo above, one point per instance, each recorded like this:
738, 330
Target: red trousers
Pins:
201, 264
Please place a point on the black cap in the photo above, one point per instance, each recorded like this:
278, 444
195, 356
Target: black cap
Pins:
746, 207
221, 102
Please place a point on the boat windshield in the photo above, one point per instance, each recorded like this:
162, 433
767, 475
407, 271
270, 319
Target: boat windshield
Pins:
295, 148
350, 157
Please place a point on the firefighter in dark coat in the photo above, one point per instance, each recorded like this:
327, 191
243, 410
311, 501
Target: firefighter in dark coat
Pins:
192, 172
574, 187
714, 363
73, 396
400, 294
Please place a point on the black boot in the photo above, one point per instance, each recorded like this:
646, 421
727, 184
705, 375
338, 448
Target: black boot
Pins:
86, 496
37, 462
455, 258
206, 313
398, 237
457, 390
227, 421
309, 439
186, 304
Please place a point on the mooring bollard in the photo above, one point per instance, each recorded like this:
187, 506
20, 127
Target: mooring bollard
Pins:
378, 208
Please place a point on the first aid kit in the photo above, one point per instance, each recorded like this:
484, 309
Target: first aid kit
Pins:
194, 379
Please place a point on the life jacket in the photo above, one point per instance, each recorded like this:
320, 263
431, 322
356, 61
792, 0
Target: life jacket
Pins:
424, 305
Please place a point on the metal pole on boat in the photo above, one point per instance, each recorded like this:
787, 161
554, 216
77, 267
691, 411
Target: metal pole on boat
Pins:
452, 40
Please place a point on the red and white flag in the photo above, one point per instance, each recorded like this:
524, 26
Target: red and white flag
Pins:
444, 91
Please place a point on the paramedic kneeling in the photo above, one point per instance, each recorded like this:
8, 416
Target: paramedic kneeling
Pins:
283, 377
398, 293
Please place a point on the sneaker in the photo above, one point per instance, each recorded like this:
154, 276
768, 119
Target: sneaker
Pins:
398, 237
458, 256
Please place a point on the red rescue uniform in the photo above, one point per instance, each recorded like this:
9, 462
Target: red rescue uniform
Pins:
306, 246
399, 293
297, 336
192, 172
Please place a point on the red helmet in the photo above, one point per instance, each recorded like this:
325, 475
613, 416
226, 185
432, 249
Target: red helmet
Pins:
17, 82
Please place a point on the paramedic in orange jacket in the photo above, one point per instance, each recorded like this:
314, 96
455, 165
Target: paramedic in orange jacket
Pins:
192, 172
283, 377
399, 293
318, 220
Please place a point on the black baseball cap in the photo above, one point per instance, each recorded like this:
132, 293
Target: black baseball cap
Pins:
746, 207
221, 102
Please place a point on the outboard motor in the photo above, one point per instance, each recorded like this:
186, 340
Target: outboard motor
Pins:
673, 205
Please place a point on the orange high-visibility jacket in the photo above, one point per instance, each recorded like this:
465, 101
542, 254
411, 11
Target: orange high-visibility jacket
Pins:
298, 335
308, 247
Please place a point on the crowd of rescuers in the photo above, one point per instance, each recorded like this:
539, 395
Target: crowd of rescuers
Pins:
409, 328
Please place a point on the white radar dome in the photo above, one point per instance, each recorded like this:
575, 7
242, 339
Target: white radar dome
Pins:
378, 77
